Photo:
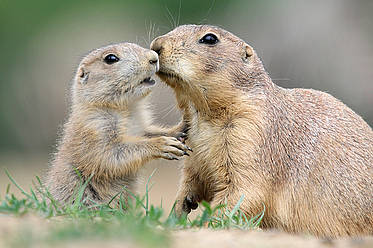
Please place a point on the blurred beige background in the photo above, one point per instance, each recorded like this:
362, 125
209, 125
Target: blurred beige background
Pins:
324, 45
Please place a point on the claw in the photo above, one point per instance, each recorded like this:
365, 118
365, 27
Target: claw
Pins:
185, 153
183, 135
190, 149
191, 204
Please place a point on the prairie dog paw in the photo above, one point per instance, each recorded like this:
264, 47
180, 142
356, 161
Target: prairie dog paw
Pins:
170, 148
189, 203
181, 136
185, 204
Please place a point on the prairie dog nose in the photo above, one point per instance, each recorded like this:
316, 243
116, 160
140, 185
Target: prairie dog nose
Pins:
153, 57
157, 44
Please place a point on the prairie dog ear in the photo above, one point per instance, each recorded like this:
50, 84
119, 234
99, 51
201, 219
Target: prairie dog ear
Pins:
82, 76
248, 52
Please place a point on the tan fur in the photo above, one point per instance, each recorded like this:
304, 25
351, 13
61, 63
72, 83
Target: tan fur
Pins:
109, 135
301, 153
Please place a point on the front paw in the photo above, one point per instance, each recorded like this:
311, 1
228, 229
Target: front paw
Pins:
170, 148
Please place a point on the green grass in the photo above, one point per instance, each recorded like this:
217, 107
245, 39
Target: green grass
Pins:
137, 221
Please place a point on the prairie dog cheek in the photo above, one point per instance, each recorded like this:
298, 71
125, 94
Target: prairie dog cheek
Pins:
186, 69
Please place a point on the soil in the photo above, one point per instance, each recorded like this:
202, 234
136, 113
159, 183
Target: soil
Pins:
165, 181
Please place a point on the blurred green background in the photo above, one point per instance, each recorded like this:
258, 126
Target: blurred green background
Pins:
325, 45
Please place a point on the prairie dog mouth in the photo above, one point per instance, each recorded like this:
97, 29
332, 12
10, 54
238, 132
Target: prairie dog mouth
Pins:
148, 81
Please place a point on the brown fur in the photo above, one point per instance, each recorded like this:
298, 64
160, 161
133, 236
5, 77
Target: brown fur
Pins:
302, 154
109, 135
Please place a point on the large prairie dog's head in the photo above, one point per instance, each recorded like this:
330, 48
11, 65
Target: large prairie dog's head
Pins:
206, 61
115, 75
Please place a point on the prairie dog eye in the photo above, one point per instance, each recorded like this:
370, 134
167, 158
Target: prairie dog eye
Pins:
111, 59
209, 39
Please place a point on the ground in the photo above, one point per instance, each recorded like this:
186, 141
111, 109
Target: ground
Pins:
35, 230
11, 230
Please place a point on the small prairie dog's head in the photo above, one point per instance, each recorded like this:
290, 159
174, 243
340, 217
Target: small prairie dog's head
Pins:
203, 54
115, 75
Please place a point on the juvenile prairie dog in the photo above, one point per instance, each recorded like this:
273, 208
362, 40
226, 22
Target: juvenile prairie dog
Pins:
301, 153
109, 134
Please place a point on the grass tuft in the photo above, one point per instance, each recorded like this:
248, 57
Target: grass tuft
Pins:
135, 220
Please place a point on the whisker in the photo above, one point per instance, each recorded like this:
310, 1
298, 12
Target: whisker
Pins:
208, 12
179, 14
172, 108
173, 23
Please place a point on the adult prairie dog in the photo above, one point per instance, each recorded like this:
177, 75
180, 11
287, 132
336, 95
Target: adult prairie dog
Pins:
301, 153
109, 134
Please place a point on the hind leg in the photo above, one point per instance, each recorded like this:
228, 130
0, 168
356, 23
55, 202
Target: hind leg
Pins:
187, 197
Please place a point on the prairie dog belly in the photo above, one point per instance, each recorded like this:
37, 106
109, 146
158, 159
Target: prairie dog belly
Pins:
138, 119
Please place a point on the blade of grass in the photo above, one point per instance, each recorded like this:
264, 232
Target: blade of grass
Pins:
236, 207
16, 184
147, 192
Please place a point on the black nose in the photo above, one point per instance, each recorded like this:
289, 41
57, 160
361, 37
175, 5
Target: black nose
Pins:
158, 51
157, 44
153, 61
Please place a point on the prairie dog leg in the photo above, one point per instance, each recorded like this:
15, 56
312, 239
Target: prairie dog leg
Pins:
189, 194
179, 131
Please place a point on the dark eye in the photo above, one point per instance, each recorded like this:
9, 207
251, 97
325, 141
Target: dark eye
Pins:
111, 59
209, 39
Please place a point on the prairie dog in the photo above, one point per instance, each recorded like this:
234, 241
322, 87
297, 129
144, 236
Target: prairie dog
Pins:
109, 135
301, 153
